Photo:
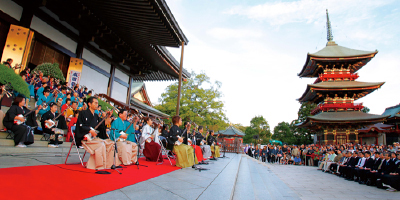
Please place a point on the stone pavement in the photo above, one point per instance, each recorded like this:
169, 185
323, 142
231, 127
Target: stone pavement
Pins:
310, 183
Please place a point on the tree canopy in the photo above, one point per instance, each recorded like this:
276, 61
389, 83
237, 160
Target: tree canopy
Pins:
200, 102
50, 69
18, 84
302, 135
258, 126
283, 133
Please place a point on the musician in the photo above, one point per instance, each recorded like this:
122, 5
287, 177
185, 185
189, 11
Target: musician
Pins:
75, 97
2, 93
127, 150
40, 91
100, 148
212, 141
67, 96
196, 146
72, 126
151, 149
46, 98
23, 134
184, 153
8, 63
186, 135
49, 118
203, 144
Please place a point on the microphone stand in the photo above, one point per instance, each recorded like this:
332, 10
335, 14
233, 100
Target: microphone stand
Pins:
224, 145
138, 153
115, 152
194, 156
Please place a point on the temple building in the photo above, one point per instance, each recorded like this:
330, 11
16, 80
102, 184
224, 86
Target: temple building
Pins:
230, 139
106, 45
337, 118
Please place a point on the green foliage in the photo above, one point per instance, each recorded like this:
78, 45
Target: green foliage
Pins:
240, 127
8, 75
50, 69
200, 102
365, 109
258, 126
302, 135
283, 133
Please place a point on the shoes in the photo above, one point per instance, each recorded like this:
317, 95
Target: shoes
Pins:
52, 146
21, 145
80, 147
391, 190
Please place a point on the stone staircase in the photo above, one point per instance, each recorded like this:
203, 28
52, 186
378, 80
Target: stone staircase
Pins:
256, 181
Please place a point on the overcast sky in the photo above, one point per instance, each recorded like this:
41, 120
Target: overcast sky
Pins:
257, 48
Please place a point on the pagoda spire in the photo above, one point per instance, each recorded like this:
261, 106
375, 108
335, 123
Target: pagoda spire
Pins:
329, 35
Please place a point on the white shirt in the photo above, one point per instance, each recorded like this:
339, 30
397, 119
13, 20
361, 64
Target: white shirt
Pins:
146, 133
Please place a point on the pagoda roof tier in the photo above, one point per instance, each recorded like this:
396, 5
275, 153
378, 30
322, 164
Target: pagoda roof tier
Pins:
338, 54
345, 117
315, 92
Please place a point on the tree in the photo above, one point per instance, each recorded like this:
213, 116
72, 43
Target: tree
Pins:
365, 109
8, 76
200, 102
240, 127
50, 69
258, 126
283, 133
302, 135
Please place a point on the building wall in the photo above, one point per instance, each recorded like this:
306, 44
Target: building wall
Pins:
11, 8
121, 75
53, 34
119, 92
89, 56
94, 80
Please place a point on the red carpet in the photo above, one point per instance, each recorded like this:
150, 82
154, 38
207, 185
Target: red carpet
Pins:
52, 182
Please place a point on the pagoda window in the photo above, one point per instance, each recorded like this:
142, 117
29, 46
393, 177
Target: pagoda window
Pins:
330, 137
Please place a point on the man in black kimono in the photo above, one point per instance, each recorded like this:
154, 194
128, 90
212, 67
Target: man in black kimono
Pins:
47, 118
101, 148
212, 141
174, 133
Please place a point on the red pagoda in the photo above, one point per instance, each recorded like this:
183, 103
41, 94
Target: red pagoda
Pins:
337, 118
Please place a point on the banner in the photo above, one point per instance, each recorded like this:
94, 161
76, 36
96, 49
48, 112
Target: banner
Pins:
74, 72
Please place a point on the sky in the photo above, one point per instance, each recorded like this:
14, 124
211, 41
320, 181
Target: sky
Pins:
257, 48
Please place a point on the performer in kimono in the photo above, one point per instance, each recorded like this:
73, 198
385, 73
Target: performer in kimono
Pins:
151, 149
203, 144
121, 129
212, 141
45, 98
184, 153
23, 134
101, 148
46, 117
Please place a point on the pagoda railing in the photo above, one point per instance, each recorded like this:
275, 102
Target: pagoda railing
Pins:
325, 107
336, 77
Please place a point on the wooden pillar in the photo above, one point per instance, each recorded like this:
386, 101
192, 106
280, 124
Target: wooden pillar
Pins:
376, 140
29, 9
128, 96
111, 81
180, 82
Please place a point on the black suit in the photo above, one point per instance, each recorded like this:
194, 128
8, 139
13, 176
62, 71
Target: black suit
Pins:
362, 173
87, 120
173, 134
393, 180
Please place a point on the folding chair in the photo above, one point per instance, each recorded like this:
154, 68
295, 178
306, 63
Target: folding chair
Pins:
10, 134
77, 150
164, 151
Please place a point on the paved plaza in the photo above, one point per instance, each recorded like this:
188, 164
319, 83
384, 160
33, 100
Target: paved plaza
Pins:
237, 177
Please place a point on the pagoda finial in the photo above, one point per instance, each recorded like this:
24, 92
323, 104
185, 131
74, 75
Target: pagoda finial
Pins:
329, 35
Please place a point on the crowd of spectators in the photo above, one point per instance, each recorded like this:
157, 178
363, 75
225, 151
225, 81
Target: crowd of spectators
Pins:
366, 164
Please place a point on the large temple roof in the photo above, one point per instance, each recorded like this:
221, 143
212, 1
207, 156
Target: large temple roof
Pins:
379, 127
351, 117
311, 92
393, 111
332, 50
231, 131
338, 54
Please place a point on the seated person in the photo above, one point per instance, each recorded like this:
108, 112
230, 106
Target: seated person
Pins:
91, 134
175, 143
48, 118
23, 134
72, 126
45, 99
212, 141
121, 129
151, 149
206, 149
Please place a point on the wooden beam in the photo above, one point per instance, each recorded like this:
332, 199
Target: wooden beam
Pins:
111, 81
128, 96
